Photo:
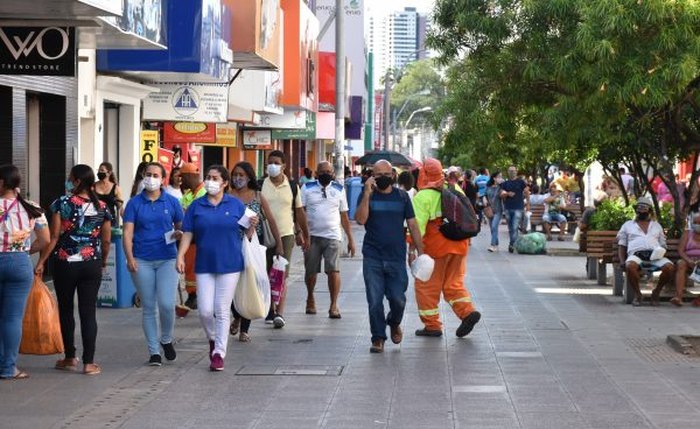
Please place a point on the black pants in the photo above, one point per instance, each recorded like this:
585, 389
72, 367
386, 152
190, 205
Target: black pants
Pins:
245, 323
85, 277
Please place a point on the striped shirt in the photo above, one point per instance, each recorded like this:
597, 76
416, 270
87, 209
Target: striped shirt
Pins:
16, 228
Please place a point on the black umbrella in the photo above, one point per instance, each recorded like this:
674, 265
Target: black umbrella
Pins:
395, 158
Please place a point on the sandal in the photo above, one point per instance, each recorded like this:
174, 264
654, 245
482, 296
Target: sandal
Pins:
310, 307
91, 369
19, 375
244, 337
677, 301
235, 325
67, 364
334, 314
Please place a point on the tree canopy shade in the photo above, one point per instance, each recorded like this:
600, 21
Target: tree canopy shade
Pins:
418, 85
570, 80
578, 72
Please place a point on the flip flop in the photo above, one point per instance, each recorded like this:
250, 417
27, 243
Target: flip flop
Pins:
19, 375
334, 314
676, 301
67, 364
92, 369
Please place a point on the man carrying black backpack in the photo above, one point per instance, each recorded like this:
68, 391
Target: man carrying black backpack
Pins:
445, 239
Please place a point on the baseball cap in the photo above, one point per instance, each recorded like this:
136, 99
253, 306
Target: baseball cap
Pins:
189, 168
454, 169
644, 201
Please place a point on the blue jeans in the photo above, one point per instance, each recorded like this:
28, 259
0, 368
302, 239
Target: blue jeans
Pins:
495, 222
514, 217
16, 276
156, 282
384, 278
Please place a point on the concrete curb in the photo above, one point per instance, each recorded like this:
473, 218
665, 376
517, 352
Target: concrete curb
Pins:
680, 344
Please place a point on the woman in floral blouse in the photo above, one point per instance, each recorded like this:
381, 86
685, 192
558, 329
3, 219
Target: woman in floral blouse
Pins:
80, 238
18, 219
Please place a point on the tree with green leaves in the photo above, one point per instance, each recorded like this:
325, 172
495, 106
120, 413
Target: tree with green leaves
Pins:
576, 80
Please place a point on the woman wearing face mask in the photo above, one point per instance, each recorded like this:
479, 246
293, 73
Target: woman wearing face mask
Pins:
80, 239
494, 200
152, 223
174, 184
245, 188
108, 190
212, 223
18, 219
689, 253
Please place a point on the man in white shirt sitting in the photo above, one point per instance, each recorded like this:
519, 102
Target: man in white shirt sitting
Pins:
326, 210
638, 240
554, 203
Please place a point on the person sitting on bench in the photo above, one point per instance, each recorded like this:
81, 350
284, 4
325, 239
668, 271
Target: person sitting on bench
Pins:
689, 252
638, 241
554, 203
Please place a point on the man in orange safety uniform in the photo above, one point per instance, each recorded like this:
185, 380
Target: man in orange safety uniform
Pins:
450, 259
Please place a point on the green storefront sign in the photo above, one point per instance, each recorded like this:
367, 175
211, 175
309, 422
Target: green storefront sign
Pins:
309, 133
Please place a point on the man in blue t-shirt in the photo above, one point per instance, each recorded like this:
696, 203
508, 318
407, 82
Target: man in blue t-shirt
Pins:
383, 209
514, 191
481, 180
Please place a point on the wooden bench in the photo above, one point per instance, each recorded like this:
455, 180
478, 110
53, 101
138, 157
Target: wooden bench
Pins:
620, 285
600, 251
536, 219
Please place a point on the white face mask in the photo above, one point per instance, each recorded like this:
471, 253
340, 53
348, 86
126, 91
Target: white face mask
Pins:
212, 187
152, 183
274, 170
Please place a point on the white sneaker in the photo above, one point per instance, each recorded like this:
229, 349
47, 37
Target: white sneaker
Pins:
493, 249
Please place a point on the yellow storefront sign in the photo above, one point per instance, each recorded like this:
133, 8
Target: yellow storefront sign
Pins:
150, 141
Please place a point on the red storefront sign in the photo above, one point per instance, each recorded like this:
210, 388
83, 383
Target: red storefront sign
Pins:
189, 132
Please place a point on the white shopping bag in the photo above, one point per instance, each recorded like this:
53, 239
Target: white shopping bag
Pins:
252, 297
422, 267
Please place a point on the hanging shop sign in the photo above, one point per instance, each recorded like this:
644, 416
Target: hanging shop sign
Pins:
189, 132
291, 119
187, 101
148, 150
257, 139
37, 51
308, 133
165, 158
226, 135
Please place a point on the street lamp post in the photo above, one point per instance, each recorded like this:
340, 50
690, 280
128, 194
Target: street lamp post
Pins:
410, 117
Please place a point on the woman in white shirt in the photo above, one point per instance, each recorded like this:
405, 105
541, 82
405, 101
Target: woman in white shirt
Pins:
18, 219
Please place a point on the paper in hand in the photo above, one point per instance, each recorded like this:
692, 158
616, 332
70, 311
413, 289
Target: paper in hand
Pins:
245, 220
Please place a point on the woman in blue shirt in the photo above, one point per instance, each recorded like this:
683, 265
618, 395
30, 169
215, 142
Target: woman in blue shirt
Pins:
152, 220
212, 222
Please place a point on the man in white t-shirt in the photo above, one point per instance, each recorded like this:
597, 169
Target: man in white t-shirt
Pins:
627, 181
326, 211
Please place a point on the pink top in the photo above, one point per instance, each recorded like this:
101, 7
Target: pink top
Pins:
692, 248
16, 228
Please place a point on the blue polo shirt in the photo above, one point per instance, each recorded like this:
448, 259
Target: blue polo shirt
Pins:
518, 201
385, 237
152, 219
216, 234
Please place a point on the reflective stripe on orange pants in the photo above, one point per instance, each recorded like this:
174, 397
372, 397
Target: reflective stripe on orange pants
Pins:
190, 277
448, 279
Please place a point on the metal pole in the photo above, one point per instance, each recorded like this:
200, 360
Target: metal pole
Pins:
387, 109
339, 89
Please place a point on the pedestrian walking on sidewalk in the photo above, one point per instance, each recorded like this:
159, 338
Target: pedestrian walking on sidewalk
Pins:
283, 196
18, 219
383, 209
327, 210
152, 222
450, 259
245, 188
514, 192
108, 190
494, 201
193, 189
81, 231
212, 223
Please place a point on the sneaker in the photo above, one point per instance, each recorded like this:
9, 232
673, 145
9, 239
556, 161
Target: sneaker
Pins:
377, 346
468, 324
155, 360
279, 322
191, 302
169, 351
428, 333
511, 249
493, 249
217, 363
270, 317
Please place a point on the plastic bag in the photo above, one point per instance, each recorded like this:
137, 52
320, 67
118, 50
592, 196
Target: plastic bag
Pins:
422, 267
577, 235
532, 244
695, 275
252, 297
277, 273
41, 328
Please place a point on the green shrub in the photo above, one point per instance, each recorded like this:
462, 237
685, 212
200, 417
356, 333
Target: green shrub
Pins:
611, 214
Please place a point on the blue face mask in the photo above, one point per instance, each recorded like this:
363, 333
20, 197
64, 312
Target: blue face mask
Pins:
69, 186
